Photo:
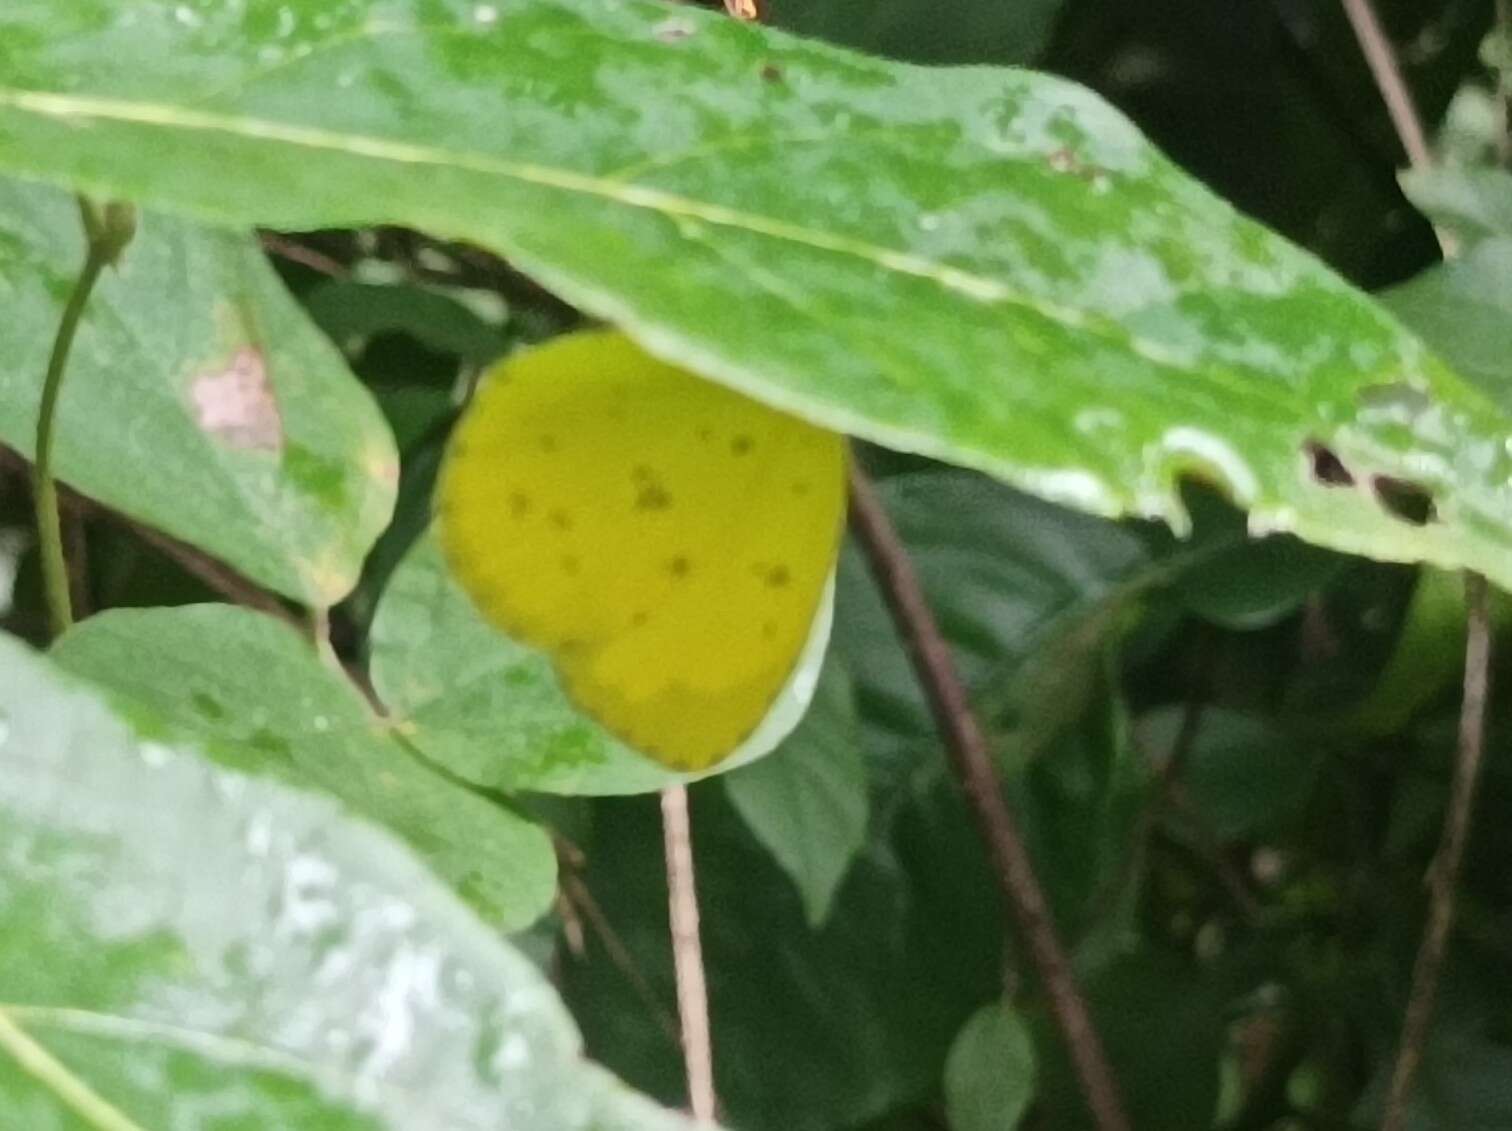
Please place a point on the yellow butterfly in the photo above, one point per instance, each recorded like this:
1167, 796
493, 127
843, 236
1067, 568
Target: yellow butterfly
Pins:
666, 540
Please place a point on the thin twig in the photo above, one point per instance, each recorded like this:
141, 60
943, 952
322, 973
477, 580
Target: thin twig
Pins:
34, 1059
687, 953
295, 252
577, 893
44, 486
972, 762
76, 554
1388, 78
214, 574
108, 229
1443, 875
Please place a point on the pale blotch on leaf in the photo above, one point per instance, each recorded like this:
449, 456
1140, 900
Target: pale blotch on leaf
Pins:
235, 404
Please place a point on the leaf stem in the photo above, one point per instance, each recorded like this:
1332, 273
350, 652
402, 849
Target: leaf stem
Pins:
1382, 60
971, 760
687, 953
108, 230
38, 1063
1443, 875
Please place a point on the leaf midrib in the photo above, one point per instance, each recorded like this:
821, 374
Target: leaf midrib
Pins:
967, 284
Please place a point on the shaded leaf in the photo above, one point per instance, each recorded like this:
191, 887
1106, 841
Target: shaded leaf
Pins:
992, 267
199, 399
260, 960
1473, 203
492, 710
807, 800
353, 312
1009, 578
1463, 308
261, 701
989, 1077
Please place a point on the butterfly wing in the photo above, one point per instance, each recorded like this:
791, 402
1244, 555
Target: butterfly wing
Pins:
667, 540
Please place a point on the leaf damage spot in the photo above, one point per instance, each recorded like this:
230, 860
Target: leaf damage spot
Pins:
1403, 499
236, 406
1326, 466
674, 30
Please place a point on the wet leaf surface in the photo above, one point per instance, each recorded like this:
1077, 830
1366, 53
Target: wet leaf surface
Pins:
261, 960
988, 266
199, 398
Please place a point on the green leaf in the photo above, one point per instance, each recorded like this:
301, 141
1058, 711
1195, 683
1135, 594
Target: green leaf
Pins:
1243, 776
353, 312
487, 708
1009, 579
1463, 308
199, 399
807, 800
992, 267
1471, 203
261, 701
261, 959
492, 710
990, 1075
1246, 584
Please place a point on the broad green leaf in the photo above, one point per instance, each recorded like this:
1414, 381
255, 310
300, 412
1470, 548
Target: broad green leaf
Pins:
1472, 203
487, 708
1463, 308
1247, 584
354, 312
199, 399
988, 266
260, 700
989, 1077
493, 712
183, 946
807, 800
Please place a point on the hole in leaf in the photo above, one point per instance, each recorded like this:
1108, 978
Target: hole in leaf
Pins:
1327, 468
1407, 501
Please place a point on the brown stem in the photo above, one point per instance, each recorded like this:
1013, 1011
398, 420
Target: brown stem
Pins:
1443, 875
295, 252
971, 761
215, 575
687, 953
583, 902
1388, 78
